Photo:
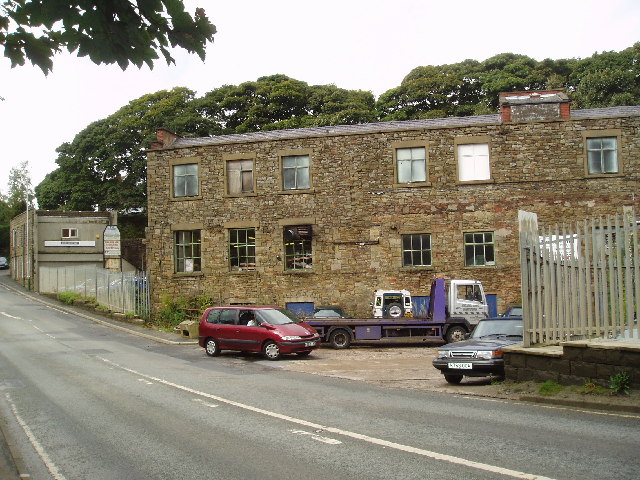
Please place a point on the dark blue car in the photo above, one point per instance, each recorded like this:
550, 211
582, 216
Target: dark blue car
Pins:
481, 354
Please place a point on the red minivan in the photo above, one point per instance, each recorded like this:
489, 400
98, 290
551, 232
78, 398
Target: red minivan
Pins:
271, 330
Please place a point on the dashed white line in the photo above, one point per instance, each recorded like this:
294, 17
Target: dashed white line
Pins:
319, 438
338, 431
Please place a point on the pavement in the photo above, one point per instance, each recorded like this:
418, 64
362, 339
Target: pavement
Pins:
396, 367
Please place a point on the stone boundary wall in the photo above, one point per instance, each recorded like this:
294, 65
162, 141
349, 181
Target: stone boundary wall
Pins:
574, 363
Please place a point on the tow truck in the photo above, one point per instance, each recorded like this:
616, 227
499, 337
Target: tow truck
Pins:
455, 307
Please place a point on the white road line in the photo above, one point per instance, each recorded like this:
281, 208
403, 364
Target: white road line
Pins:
338, 431
10, 316
206, 404
34, 441
319, 438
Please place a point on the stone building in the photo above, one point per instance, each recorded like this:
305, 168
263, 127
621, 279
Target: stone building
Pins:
326, 215
43, 238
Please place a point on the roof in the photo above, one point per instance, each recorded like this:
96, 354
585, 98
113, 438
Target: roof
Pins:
383, 127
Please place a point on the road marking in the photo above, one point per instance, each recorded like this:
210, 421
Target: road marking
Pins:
338, 431
319, 438
10, 316
145, 381
55, 473
206, 404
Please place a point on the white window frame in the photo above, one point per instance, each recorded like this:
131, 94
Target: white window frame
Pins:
180, 190
596, 154
298, 183
415, 158
474, 163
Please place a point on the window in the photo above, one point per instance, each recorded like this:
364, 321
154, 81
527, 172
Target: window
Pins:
473, 162
69, 233
239, 176
416, 250
297, 247
411, 164
242, 249
602, 155
295, 172
188, 257
185, 180
479, 249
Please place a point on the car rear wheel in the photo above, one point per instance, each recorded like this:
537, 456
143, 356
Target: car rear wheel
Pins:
455, 379
455, 334
211, 347
271, 350
340, 339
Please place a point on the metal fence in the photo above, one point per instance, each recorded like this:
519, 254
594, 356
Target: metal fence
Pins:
123, 292
581, 280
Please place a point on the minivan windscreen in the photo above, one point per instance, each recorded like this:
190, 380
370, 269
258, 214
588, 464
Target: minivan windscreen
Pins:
276, 316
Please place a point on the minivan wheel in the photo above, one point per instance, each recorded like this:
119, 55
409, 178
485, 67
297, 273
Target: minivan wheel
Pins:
455, 379
271, 350
211, 347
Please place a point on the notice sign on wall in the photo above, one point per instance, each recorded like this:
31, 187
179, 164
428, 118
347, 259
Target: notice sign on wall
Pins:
111, 239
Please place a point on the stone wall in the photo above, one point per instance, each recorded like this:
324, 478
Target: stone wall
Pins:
574, 363
359, 213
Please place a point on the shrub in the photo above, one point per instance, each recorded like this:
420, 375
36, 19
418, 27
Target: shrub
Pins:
620, 383
68, 297
176, 310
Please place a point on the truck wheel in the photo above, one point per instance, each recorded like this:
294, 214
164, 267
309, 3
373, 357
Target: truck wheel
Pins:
394, 310
455, 334
455, 379
340, 339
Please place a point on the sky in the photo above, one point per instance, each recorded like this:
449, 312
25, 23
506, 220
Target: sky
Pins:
354, 44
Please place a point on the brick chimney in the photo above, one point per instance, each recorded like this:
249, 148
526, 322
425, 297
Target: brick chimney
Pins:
534, 106
165, 138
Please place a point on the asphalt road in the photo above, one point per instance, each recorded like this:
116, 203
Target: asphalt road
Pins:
81, 400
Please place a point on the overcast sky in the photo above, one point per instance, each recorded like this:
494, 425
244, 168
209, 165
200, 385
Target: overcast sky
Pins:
354, 44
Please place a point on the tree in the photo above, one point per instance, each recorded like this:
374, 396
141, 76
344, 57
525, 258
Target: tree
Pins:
607, 79
104, 167
280, 102
19, 188
115, 31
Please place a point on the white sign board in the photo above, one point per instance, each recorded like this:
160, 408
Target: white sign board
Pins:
69, 243
111, 239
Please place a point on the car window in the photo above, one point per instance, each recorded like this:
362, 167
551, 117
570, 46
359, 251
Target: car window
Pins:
214, 316
326, 313
247, 317
498, 327
228, 316
276, 316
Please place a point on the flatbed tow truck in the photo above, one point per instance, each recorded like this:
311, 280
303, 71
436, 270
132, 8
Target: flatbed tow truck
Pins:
455, 307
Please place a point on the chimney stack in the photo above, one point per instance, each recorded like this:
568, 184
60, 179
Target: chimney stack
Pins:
534, 106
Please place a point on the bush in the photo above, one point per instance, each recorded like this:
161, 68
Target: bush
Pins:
620, 383
176, 310
68, 297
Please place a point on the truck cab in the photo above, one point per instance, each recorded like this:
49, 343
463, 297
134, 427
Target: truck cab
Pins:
392, 304
467, 300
